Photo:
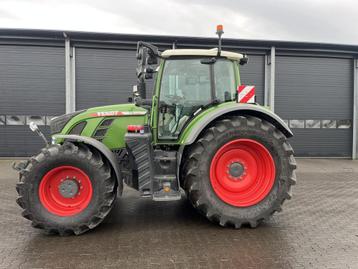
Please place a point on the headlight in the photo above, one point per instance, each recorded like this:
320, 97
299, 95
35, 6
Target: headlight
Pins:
57, 123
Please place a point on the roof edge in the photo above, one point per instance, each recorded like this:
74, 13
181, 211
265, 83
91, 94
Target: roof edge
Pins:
81, 36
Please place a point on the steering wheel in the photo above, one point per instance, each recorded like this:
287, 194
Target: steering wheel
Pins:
175, 99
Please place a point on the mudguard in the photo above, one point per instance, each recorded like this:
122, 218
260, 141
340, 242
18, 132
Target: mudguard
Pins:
101, 148
197, 126
201, 121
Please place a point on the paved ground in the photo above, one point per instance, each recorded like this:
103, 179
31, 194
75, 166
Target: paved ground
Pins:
318, 228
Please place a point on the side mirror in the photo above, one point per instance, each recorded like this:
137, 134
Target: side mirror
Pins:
150, 70
244, 60
148, 75
152, 59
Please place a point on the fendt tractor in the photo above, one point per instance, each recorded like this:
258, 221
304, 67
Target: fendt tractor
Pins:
201, 132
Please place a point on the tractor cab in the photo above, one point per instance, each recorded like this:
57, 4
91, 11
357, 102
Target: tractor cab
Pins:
190, 80
187, 82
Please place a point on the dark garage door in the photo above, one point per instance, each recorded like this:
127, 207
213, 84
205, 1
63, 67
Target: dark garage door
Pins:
253, 73
32, 88
104, 76
315, 96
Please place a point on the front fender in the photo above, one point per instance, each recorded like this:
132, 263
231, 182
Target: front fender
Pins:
109, 155
198, 124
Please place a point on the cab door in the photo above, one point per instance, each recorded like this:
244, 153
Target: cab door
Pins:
186, 85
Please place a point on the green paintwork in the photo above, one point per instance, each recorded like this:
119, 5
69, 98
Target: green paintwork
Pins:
207, 114
154, 111
115, 135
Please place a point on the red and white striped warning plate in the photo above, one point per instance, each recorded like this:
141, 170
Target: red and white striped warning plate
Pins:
246, 94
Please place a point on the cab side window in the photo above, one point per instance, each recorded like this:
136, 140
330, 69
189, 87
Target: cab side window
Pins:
225, 84
185, 87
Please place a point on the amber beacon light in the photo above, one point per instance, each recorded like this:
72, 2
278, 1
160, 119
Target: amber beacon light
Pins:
219, 32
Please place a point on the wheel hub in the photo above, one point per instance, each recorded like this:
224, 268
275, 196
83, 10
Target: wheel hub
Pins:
236, 170
242, 172
65, 190
68, 188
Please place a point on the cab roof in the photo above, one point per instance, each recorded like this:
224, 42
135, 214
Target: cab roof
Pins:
201, 52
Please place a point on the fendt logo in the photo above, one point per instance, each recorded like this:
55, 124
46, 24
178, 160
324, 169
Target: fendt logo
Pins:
117, 113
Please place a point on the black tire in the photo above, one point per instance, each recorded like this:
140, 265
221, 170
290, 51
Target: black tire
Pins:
87, 159
196, 175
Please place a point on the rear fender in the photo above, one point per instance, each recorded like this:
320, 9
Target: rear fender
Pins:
194, 128
109, 155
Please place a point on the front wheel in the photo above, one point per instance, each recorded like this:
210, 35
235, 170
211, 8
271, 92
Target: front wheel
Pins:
239, 171
66, 189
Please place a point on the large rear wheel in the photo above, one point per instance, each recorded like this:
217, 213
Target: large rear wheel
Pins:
66, 189
239, 171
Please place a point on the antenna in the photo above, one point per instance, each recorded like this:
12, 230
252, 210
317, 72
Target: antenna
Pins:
219, 32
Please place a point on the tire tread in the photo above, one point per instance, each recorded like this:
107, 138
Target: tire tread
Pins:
191, 170
86, 153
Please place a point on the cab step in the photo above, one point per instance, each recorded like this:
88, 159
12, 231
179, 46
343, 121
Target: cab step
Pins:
166, 196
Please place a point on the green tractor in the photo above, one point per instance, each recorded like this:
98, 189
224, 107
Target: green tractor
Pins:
201, 132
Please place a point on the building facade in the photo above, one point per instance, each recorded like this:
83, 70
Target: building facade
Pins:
312, 86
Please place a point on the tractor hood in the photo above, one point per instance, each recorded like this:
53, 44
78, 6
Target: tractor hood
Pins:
121, 110
105, 123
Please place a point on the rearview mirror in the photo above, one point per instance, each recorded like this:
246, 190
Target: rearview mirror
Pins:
152, 59
244, 60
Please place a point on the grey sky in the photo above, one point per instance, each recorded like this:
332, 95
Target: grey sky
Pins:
304, 20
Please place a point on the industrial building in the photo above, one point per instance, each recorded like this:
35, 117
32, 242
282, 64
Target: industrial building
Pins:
312, 86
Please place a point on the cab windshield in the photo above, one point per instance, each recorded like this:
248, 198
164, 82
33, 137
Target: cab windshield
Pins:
187, 85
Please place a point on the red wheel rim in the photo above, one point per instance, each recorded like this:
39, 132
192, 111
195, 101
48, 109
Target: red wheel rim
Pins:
65, 191
242, 172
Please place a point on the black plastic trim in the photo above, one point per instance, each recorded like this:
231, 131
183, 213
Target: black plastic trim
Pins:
107, 153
